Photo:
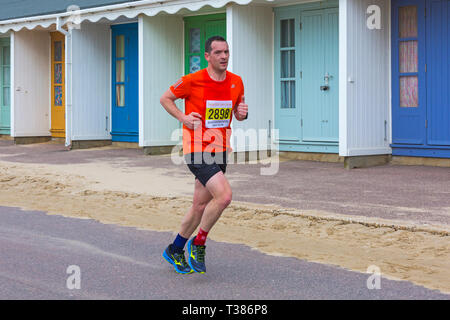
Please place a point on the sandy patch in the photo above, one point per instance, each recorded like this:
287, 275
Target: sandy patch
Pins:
147, 199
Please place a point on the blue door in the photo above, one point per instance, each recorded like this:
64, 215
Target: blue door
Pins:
408, 85
438, 73
307, 77
125, 83
420, 84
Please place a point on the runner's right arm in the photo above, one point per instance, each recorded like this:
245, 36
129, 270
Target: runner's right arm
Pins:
192, 120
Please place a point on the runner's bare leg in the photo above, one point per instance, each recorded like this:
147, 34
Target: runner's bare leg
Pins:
193, 217
220, 190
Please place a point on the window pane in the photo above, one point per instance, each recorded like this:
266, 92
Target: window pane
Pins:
284, 33
6, 76
409, 92
194, 64
287, 33
292, 99
58, 50
284, 94
287, 94
408, 56
407, 22
284, 64
120, 95
120, 46
194, 40
120, 71
58, 73
291, 32
58, 96
288, 64
292, 64
6, 100
6, 56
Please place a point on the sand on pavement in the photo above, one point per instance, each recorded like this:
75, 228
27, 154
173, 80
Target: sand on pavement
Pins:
148, 199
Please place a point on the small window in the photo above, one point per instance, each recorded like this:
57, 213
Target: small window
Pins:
287, 63
58, 50
409, 92
120, 71
408, 56
287, 94
408, 24
58, 96
58, 73
194, 64
6, 76
6, 56
120, 46
120, 95
287, 33
6, 99
194, 36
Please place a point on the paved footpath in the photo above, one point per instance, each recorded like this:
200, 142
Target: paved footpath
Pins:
37, 250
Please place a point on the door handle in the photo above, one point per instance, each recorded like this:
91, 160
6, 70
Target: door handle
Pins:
327, 78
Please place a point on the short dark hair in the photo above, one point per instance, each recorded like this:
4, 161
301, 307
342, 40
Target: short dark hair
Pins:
210, 41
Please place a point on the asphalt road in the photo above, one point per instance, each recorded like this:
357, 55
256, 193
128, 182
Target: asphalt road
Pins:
37, 250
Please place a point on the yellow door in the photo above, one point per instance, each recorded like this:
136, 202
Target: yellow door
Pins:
58, 80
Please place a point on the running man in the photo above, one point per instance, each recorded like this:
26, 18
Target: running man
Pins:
212, 96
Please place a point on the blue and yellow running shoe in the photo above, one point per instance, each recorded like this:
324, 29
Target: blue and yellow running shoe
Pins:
177, 259
196, 258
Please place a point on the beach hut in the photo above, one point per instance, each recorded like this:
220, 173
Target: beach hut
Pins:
358, 80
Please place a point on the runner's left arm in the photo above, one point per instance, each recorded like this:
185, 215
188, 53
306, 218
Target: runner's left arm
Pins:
241, 111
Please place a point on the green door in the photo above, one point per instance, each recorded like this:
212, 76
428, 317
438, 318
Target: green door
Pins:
5, 78
198, 29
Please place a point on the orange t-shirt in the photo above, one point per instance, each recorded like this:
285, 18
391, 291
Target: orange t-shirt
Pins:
215, 101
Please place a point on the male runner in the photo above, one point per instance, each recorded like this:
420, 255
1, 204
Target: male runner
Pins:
211, 96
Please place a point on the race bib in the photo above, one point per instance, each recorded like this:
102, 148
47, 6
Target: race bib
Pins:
218, 113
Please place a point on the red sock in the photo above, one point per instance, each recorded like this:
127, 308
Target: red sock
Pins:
200, 239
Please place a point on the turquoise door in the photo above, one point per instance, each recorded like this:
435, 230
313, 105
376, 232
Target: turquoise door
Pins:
5, 77
125, 84
306, 79
320, 74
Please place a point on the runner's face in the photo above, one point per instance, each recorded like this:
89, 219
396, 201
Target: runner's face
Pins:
219, 55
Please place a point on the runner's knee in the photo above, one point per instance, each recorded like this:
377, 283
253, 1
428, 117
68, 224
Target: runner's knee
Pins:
199, 207
225, 199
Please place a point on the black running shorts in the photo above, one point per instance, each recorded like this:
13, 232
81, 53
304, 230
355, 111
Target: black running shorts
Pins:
205, 165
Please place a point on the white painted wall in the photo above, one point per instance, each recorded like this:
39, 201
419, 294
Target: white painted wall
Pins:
30, 103
161, 57
250, 36
364, 105
91, 82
